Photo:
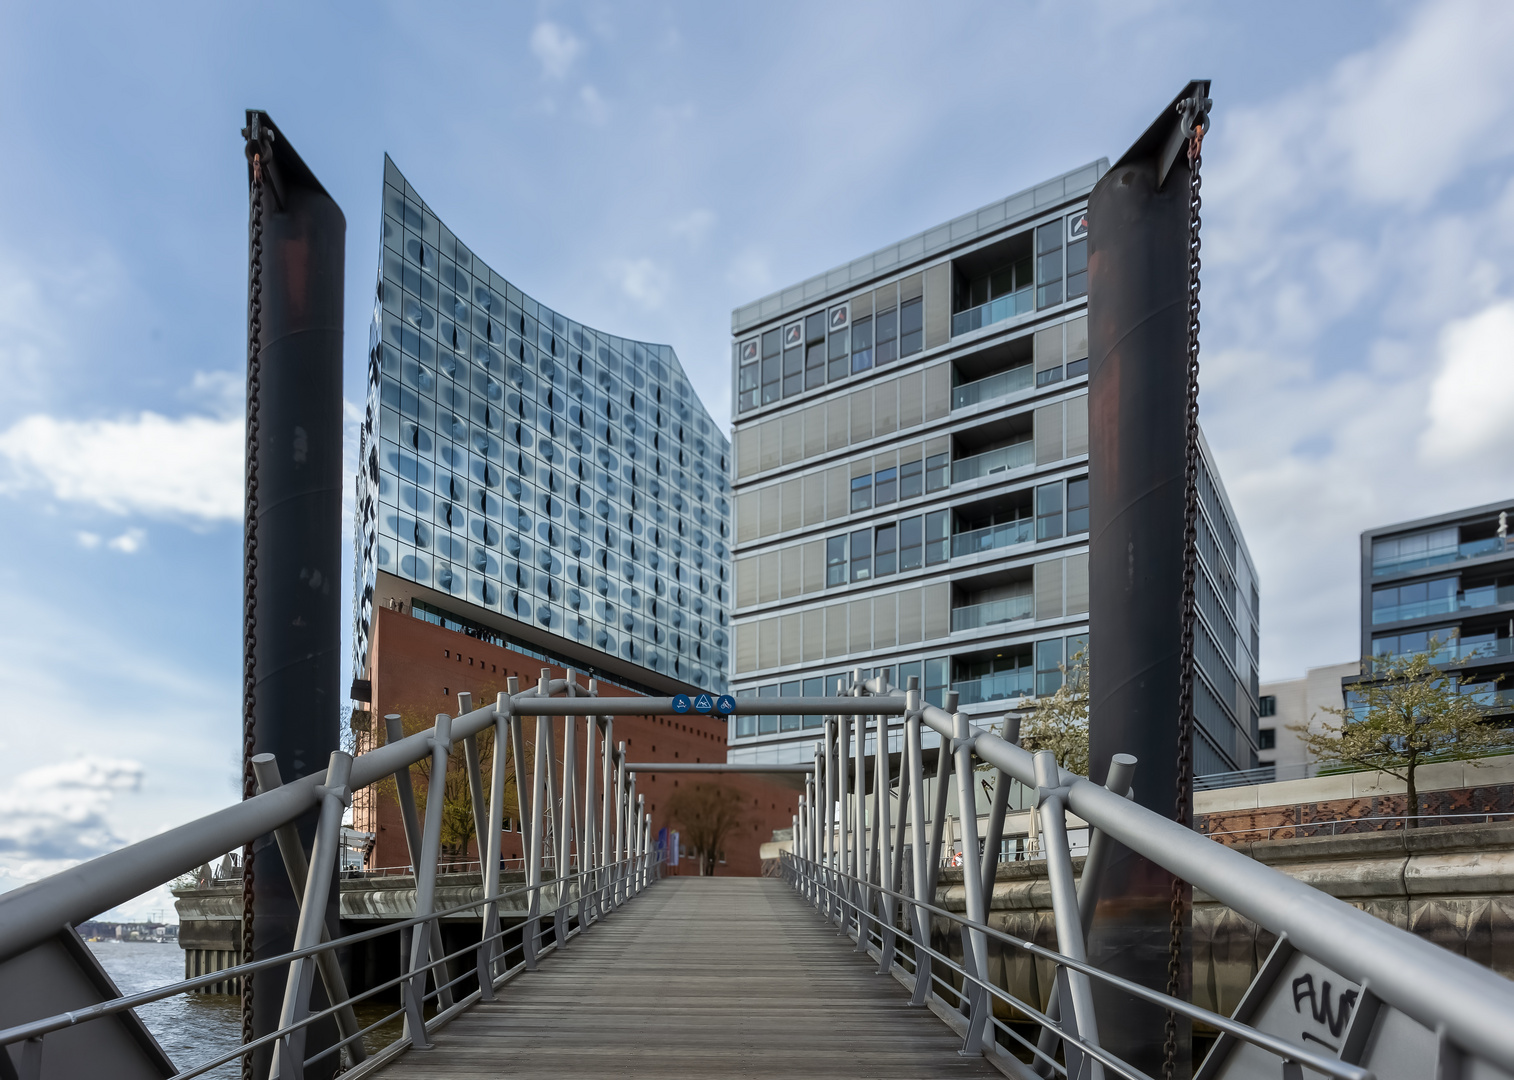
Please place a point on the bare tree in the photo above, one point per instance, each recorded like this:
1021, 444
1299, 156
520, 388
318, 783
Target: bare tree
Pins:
1408, 711
707, 813
1059, 723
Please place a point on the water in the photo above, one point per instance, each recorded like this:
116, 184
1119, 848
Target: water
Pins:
193, 1028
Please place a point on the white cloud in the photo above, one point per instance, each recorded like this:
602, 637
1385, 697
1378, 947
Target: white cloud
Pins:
189, 467
58, 812
1471, 405
693, 226
88, 540
596, 109
128, 543
642, 280
555, 47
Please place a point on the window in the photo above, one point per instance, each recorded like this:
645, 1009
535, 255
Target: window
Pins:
1077, 505
937, 537
749, 378
885, 550
1267, 705
911, 543
793, 372
885, 486
886, 331
937, 671
862, 344
862, 562
772, 379
1048, 666
1049, 265
938, 471
1049, 511
835, 561
838, 354
1077, 261
862, 492
1266, 739
911, 479
1414, 600
746, 725
814, 329
835, 685
911, 327
1049, 375
814, 688
767, 725
790, 690
814, 365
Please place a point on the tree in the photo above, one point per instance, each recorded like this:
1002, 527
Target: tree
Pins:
1059, 723
457, 799
1408, 712
707, 814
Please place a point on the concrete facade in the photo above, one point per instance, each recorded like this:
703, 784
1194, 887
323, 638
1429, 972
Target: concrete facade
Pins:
1296, 702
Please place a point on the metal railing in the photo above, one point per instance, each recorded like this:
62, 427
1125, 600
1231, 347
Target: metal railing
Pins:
602, 856
851, 861
1008, 306
993, 612
1014, 456
993, 537
1349, 826
998, 385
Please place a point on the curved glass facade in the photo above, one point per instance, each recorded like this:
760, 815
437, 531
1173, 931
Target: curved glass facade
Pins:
569, 481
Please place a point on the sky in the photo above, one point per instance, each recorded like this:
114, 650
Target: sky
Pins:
647, 168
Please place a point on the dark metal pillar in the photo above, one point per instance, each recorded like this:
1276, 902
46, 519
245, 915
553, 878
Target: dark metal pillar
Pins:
295, 445
1138, 382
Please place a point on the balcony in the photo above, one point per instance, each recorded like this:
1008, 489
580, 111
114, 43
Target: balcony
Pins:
993, 613
1014, 456
1472, 549
1468, 600
1460, 651
1009, 306
1001, 686
993, 537
994, 386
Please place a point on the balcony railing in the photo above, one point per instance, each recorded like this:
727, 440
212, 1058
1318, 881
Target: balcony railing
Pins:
996, 687
993, 537
1468, 600
1015, 456
995, 386
1022, 302
1470, 550
994, 612
1456, 652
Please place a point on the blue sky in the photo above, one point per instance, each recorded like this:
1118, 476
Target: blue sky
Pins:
647, 168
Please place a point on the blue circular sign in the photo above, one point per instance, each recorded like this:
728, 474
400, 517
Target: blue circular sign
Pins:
726, 704
681, 703
704, 703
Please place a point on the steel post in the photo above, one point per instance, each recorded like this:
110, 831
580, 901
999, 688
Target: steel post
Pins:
967, 814
325, 857
588, 898
617, 870
919, 849
884, 843
993, 837
541, 749
425, 892
490, 947
1052, 811
266, 769
414, 842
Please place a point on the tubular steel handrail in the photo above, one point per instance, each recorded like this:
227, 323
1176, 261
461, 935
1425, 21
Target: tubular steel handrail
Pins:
1271, 1043
855, 859
602, 855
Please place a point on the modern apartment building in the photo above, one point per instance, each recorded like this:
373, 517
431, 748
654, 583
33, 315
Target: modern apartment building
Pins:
1448, 580
911, 482
539, 483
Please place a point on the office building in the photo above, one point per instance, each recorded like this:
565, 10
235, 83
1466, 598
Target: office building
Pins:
1446, 584
911, 434
1285, 704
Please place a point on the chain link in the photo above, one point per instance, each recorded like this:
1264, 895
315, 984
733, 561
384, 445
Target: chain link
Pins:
1178, 907
250, 558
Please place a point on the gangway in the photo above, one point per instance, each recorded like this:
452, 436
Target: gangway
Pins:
706, 970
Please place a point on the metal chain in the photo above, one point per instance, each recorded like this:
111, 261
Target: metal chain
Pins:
1183, 807
250, 561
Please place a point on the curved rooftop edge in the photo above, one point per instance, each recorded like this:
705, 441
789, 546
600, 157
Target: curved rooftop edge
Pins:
535, 478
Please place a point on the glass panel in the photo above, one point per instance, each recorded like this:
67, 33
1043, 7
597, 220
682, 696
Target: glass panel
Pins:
835, 561
887, 332
937, 472
911, 543
862, 492
911, 327
862, 344
1049, 511
862, 541
885, 486
1048, 674
1077, 505
911, 479
885, 548
937, 537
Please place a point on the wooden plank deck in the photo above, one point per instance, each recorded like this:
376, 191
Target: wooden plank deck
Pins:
709, 977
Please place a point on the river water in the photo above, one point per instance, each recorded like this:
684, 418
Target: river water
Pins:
193, 1028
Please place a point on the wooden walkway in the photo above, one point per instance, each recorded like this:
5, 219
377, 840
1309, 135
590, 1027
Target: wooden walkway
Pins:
707, 977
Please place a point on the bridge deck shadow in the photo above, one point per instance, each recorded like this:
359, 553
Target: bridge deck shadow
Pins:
706, 977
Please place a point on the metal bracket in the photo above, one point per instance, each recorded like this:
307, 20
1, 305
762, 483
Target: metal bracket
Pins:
969, 742
344, 794
1193, 113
